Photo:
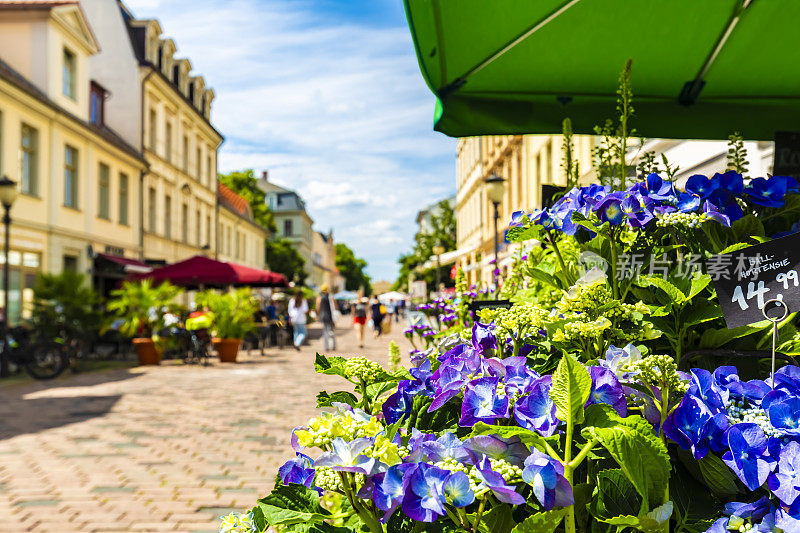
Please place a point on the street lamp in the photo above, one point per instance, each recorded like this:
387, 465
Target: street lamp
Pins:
495, 191
8, 193
438, 250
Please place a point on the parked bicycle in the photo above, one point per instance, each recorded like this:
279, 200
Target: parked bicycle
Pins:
41, 359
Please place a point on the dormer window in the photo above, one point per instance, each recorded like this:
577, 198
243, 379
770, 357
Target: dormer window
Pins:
97, 97
69, 74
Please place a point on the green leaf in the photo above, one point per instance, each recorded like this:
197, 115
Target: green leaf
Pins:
718, 477
693, 501
523, 233
545, 522
497, 520
292, 504
570, 390
674, 294
703, 313
746, 226
717, 338
330, 365
326, 400
531, 438
542, 276
698, 284
735, 247
616, 495
637, 450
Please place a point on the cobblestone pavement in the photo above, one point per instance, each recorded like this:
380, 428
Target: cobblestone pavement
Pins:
166, 448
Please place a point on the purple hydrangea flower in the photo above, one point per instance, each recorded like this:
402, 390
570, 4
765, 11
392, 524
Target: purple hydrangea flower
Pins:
536, 411
483, 339
785, 481
609, 209
483, 402
509, 449
546, 476
607, 389
347, 457
685, 425
497, 484
299, 470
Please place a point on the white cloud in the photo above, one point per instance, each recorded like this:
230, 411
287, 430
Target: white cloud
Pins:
335, 110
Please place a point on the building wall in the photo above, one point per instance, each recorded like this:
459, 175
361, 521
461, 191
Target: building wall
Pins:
526, 162
241, 241
44, 231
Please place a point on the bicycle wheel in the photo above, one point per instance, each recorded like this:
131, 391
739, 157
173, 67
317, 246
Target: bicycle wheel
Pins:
45, 360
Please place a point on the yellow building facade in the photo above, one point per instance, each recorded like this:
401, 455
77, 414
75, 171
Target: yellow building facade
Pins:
77, 178
241, 240
180, 145
323, 269
526, 162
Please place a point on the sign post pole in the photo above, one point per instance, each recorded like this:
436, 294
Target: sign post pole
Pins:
774, 310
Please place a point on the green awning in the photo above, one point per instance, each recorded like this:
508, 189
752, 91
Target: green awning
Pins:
701, 68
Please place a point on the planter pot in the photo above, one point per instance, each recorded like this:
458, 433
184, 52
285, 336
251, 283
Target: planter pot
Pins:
147, 351
227, 349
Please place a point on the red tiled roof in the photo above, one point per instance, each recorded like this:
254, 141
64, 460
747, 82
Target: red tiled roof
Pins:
232, 200
35, 4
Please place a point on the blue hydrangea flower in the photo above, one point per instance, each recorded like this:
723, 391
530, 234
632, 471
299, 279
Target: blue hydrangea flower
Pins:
448, 446
299, 470
785, 415
536, 411
607, 389
483, 402
731, 181
767, 192
427, 489
685, 425
657, 188
747, 455
483, 339
726, 204
703, 386
687, 202
546, 476
609, 209
509, 449
785, 481
457, 490
388, 489
701, 185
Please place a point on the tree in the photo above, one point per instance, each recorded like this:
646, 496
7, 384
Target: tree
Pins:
283, 257
353, 269
442, 232
245, 184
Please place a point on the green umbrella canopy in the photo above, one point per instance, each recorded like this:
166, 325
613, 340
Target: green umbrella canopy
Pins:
701, 68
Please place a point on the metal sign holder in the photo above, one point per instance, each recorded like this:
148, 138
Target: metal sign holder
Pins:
774, 310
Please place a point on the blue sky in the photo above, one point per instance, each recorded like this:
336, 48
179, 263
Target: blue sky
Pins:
327, 96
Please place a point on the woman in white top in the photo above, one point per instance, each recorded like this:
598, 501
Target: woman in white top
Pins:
298, 308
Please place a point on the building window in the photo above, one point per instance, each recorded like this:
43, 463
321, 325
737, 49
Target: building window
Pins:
199, 163
238, 244
71, 177
103, 187
153, 128
96, 104
287, 228
185, 153
29, 147
151, 209
69, 74
168, 217
210, 170
168, 142
70, 263
198, 235
123, 199
208, 230
185, 223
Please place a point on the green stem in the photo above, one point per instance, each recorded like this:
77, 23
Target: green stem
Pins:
569, 520
614, 285
369, 519
478, 516
567, 275
575, 463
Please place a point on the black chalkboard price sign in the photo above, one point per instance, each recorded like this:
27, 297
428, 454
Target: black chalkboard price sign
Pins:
747, 278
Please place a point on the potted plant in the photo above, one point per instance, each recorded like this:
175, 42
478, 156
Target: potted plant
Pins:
142, 307
233, 319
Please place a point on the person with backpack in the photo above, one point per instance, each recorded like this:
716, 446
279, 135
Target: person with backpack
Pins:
359, 309
325, 314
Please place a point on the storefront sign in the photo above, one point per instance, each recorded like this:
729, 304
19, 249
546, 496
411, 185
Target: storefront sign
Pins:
786, 161
752, 276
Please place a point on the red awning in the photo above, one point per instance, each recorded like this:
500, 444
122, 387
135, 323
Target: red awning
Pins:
130, 265
200, 270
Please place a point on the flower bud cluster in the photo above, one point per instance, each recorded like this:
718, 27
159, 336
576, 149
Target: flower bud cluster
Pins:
658, 370
384, 450
585, 299
506, 469
689, 220
394, 356
743, 411
451, 464
238, 523
577, 330
327, 479
737, 523
362, 369
323, 429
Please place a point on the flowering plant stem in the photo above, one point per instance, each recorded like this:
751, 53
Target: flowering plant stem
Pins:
372, 522
567, 275
478, 516
569, 520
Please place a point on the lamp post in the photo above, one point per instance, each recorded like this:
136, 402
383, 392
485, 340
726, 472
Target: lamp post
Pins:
438, 250
8, 193
495, 191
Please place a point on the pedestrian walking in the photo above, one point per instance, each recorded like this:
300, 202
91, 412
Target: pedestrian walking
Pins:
391, 311
359, 309
325, 314
377, 316
298, 308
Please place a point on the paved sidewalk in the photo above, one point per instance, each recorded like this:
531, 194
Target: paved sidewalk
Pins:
166, 448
